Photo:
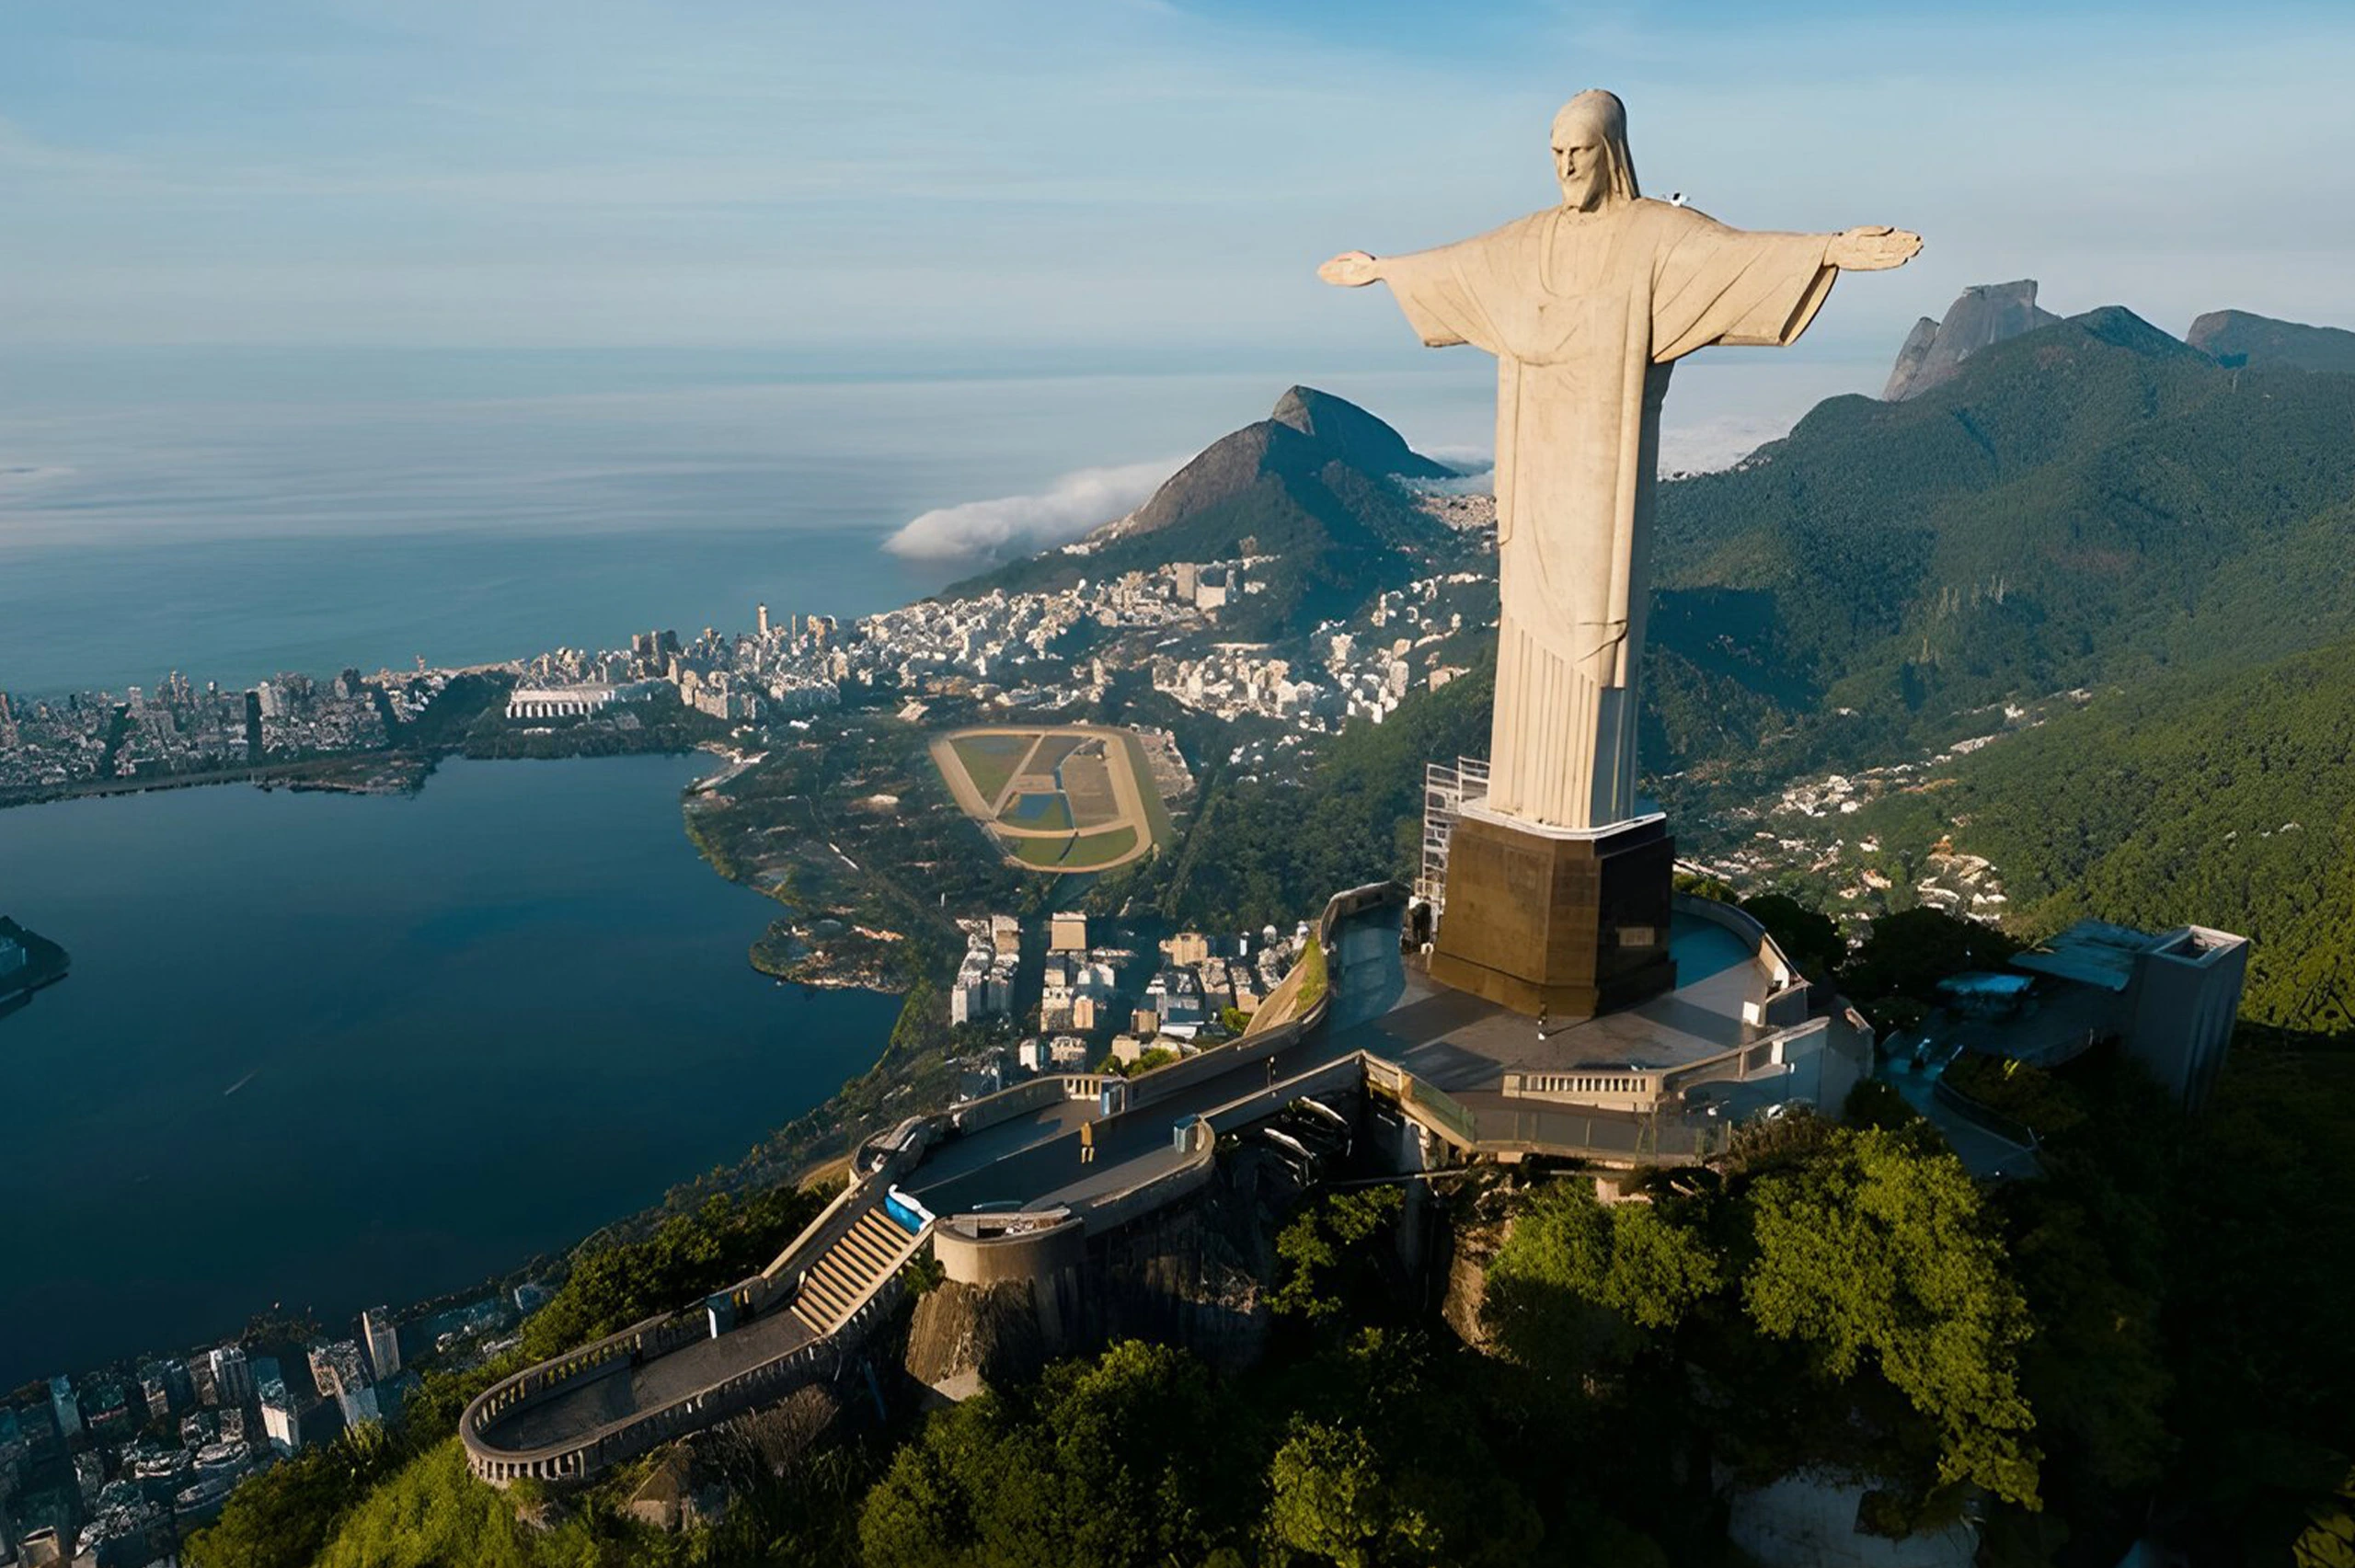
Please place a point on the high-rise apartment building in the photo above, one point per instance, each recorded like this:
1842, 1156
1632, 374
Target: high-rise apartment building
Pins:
233, 1380
383, 1342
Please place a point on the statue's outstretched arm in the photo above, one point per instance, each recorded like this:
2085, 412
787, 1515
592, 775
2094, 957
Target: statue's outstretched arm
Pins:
1874, 248
1352, 270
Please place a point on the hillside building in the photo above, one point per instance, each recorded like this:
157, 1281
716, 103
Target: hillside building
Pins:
2169, 997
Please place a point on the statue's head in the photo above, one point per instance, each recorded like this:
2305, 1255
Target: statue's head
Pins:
1590, 156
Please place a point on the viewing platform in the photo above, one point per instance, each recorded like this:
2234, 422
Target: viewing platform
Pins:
1006, 1187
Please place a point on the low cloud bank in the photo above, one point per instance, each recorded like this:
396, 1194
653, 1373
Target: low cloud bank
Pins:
1079, 501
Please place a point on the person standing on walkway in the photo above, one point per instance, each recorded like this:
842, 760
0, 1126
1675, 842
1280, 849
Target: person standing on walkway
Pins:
1087, 1143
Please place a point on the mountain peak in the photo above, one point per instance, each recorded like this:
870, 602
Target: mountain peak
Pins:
1351, 434
2121, 328
1981, 315
1308, 490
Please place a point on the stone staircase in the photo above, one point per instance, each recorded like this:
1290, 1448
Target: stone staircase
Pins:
862, 1258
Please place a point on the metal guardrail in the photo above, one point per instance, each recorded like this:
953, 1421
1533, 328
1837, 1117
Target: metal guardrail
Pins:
1985, 1117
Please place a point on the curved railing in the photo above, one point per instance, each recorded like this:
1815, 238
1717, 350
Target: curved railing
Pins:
1148, 1087
1765, 951
580, 1454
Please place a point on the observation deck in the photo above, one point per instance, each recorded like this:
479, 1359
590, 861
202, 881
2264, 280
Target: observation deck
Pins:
995, 1185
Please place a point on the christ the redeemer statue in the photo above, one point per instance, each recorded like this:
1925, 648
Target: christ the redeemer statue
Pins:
1587, 307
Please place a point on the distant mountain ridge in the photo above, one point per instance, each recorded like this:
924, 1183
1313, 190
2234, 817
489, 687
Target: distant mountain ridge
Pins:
1987, 313
2085, 501
2078, 503
1354, 436
2236, 337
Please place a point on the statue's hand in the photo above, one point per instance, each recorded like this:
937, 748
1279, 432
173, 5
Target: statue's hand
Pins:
1874, 248
1350, 269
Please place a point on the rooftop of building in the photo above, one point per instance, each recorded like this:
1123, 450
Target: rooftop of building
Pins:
2100, 953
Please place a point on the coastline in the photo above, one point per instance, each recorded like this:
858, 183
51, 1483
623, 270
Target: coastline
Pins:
383, 773
804, 1083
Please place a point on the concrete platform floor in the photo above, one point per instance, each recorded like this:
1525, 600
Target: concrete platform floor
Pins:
584, 1407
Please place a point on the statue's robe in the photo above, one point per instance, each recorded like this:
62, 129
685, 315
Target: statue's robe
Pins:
1586, 313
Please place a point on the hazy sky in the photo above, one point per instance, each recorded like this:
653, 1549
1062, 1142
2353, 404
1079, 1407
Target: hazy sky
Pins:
1106, 176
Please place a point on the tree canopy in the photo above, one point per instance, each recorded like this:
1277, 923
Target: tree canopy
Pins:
1877, 1255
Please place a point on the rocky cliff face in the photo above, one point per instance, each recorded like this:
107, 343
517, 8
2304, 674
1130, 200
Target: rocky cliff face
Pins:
2234, 337
1984, 314
962, 1338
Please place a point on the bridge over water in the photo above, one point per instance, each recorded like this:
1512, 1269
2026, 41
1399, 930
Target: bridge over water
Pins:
998, 1187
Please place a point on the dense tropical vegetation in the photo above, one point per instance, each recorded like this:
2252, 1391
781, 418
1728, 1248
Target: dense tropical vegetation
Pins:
2228, 799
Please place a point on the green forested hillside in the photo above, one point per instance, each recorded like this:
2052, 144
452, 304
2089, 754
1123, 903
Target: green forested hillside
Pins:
2227, 800
2092, 501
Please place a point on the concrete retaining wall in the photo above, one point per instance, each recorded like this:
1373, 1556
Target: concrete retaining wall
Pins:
1025, 1098
995, 1259
1772, 963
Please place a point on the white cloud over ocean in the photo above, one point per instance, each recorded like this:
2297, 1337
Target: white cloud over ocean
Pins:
1078, 502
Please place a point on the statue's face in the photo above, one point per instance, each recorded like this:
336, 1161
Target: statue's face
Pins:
1577, 163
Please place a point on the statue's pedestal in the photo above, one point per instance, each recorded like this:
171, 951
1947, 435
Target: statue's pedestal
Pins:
1545, 919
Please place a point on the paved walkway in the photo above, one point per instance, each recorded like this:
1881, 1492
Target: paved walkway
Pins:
581, 1409
1983, 1153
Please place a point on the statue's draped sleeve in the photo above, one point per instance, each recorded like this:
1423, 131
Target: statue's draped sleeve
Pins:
1713, 285
1460, 292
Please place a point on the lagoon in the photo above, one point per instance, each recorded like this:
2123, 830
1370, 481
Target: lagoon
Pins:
332, 1051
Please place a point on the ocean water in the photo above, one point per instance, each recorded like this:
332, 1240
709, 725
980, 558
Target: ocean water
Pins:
234, 514
333, 1051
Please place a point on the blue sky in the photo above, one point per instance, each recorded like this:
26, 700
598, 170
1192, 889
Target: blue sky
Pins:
1111, 177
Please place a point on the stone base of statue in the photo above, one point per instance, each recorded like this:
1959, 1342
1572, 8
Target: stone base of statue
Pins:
1547, 920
